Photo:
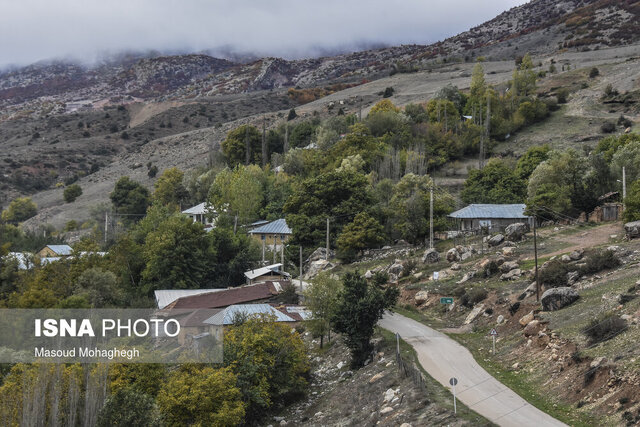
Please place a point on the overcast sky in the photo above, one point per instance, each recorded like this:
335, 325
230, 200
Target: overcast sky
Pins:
33, 30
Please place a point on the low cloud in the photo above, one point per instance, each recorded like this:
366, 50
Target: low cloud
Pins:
33, 30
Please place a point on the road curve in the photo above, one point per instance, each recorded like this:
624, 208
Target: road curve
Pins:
444, 358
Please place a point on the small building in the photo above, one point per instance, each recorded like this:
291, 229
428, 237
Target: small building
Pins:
269, 272
258, 293
233, 313
202, 213
55, 251
272, 234
165, 297
492, 217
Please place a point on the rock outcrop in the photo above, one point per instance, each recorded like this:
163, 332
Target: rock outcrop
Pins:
557, 298
515, 232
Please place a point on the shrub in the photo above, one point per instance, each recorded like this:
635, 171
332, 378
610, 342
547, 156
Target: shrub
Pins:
600, 260
71, 193
624, 122
473, 297
388, 92
610, 91
409, 267
594, 72
491, 268
608, 127
554, 275
124, 135
19, 210
604, 328
152, 172
380, 278
562, 95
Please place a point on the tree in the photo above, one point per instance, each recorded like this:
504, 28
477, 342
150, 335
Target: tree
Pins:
627, 157
169, 189
333, 194
72, 192
99, 287
524, 78
270, 363
292, 114
176, 255
321, 298
495, 183
230, 255
129, 197
530, 160
238, 191
234, 146
201, 396
364, 232
384, 105
632, 203
477, 90
128, 407
359, 308
20, 209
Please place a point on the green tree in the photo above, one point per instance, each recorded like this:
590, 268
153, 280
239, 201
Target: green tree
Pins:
321, 298
129, 197
234, 146
524, 78
230, 255
20, 209
530, 160
359, 308
632, 203
364, 232
169, 189
238, 191
333, 194
201, 396
609, 145
495, 183
176, 255
627, 157
99, 287
128, 407
384, 105
477, 89
72, 192
270, 363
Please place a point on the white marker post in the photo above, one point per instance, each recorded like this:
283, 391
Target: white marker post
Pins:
453, 381
494, 333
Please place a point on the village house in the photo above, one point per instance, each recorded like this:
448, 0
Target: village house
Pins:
202, 213
55, 251
259, 293
491, 217
269, 272
272, 234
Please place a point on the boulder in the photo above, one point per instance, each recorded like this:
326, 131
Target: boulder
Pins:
453, 255
386, 410
515, 232
557, 298
465, 256
368, 274
572, 277
632, 229
316, 267
500, 319
421, 297
524, 320
455, 266
496, 240
576, 255
531, 290
512, 275
319, 254
474, 314
597, 362
376, 377
430, 256
509, 251
396, 268
532, 328
508, 266
418, 275
565, 258
467, 276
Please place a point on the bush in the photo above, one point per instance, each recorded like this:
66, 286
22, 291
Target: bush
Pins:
600, 260
388, 92
152, 172
554, 275
473, 297
608, 127
491, 268
624, 122
594, 73
409, 267
604, 328
72, 192
124, 135
562, 95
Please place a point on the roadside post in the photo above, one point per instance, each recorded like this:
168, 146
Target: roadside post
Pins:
453, 381
494, 334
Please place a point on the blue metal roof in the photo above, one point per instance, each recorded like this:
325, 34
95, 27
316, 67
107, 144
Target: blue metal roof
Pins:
228, 315
279, 226
61, 249
491, 211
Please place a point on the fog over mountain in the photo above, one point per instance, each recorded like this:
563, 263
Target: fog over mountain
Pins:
34, 30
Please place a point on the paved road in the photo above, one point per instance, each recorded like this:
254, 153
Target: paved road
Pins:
444, 358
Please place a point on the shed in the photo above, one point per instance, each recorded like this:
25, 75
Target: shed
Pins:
272, 233
55, 251
493, 217
202, 213
269, 272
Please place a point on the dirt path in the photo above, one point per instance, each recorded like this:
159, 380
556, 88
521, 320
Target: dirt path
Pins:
444, 358
586, 239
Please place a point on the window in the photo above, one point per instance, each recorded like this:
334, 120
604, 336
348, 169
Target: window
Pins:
263, 236
282, 236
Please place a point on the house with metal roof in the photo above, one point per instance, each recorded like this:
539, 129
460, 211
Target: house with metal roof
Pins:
273, 234
164, 297
202, 213
268, 272
53, 251
493, 217
258, 293
233, 313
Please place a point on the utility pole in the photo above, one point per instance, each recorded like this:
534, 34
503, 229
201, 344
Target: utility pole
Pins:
300, 276
535, 252
263, 248
264, 141
282, 254
286, 137
106, 226
624, 184
327, 257
360, 109
431, 217
275, 250
235, 224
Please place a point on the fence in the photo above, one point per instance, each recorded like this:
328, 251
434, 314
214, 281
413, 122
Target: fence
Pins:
409, 370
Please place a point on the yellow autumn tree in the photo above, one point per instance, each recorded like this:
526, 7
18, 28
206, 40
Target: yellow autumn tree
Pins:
384, 106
